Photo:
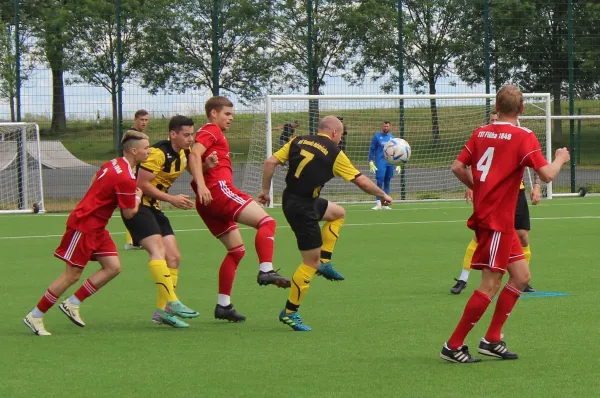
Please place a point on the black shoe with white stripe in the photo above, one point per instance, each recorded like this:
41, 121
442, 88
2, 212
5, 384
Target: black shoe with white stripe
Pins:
497, 350
461, 355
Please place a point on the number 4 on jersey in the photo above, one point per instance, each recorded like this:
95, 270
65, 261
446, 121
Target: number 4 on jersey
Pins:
485, 163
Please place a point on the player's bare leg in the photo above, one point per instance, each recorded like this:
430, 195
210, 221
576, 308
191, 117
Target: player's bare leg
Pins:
168, 305
523, 235
234, 244
253, 215
111, 267
300, 284
334, 220
34, 319
492, 344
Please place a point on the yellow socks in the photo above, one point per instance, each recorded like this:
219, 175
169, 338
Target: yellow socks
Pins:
300, 284
469, 255
330, 233
174, 277
128, 238
162, 277
527, 253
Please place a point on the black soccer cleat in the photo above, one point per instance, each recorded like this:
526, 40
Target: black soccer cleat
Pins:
529, 289
458, 287
272, 278
228, 313
496, 350
461, 355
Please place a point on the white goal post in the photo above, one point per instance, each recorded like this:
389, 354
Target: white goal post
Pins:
436, 127
21, 189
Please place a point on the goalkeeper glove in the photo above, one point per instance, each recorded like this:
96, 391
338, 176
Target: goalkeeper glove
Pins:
372, 167
399, 169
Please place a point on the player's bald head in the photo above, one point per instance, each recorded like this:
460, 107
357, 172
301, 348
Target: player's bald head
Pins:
332, 126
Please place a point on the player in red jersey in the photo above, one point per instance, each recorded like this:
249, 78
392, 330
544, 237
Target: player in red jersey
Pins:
86, 237
221, 206
498, 154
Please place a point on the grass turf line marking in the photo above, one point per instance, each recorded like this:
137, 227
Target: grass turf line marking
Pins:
345, 225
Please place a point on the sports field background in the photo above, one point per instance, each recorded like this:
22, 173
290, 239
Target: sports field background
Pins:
378, 333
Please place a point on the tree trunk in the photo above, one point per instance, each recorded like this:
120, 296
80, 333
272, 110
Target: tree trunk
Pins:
59, 120
115, 119
557, 136
11, 102
435, 124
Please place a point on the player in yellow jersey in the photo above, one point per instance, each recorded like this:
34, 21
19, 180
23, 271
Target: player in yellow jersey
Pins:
522, 225
140, 122
151, 227
313, 160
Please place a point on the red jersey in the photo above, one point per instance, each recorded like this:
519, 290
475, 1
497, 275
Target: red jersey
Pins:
498, 154
114, 186
211, 136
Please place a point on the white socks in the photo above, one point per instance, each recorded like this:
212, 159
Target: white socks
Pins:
464, 275
223, 300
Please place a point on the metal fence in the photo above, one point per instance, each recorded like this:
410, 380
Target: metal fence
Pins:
80, 70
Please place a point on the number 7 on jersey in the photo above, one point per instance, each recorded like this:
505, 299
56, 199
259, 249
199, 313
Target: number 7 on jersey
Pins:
485, 163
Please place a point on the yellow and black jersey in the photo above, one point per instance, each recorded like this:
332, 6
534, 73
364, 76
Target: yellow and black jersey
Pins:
167, 165
314, 160
522, 185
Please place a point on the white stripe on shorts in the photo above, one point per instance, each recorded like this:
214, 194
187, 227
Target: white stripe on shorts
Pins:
72, 245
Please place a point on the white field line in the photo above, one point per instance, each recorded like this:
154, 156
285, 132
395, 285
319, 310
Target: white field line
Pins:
345, 225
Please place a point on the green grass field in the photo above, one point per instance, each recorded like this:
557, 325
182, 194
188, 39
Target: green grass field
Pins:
378, 333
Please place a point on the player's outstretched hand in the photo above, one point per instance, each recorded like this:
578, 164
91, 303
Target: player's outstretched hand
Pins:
399, 169
562, 154
182, 202
386, 200
204, 195
372, 167
536, 195
264, 197
469, 195
212, 160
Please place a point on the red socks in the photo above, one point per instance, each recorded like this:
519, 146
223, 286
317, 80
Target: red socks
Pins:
474, 309
264, 242
47, 301
86, 290
228, 268
506, 302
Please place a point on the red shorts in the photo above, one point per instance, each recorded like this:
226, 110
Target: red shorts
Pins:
495, 250
227, 202
77, 248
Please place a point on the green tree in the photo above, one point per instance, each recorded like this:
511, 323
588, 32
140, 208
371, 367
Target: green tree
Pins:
429, 47
529, 47
179, 50
92, 56
48, 22
334, 22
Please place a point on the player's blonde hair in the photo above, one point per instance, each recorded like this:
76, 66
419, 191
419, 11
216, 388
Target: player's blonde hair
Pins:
509, 100
131, 137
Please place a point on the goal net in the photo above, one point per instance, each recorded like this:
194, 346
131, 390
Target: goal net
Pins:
436, 127
20, 168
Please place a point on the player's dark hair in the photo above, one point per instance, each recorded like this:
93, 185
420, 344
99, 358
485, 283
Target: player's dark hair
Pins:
509, 100
493, 112
179, 121
216, 103
386, 122
139, 113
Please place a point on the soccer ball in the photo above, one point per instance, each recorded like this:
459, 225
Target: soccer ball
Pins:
396, 151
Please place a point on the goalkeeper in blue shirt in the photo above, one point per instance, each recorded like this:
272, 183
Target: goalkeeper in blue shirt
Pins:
377, 163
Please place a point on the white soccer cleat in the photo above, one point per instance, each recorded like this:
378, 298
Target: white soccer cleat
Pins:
377, 206
72, 312
130, 246
386, 208
36, 325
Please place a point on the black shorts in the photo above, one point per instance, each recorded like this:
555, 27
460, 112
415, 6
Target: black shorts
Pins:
303, 215
522, 214
148, 221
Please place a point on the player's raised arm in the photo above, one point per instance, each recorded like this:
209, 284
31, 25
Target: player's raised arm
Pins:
144, 181
278, 158
549, 172
128, 213
345, 169
196, 168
